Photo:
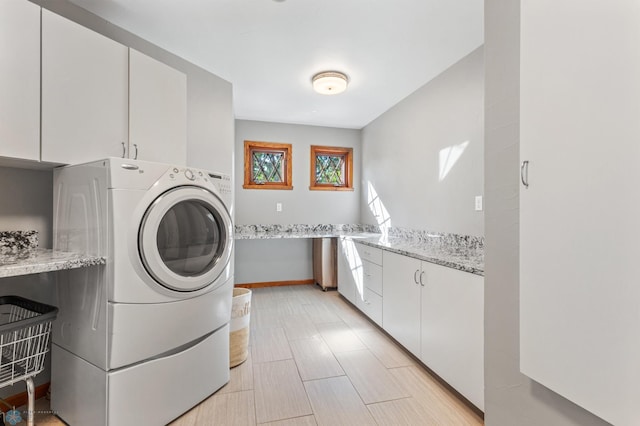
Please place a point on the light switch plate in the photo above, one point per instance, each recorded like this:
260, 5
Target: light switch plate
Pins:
478, 203
278, 207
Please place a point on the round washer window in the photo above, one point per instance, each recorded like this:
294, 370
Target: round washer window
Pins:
190, 238
185, 239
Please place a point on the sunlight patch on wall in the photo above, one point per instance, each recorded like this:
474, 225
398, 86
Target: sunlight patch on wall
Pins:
449, 156
378, 209
355, 264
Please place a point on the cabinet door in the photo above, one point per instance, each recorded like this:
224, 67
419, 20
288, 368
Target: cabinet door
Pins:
579, 233
157, 111
371, 254
349, 270
20, 81
371, 305
452, 328
372, 276
84, 93
401, 300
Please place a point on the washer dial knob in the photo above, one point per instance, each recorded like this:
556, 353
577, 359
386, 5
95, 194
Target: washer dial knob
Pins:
189, 174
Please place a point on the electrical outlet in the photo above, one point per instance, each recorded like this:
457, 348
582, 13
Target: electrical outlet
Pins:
478, 203
278, 207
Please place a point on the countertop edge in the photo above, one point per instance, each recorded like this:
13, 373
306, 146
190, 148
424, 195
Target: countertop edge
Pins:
364, 238
45, 260
434, 260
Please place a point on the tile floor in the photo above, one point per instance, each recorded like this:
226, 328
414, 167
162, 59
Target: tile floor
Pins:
316, 360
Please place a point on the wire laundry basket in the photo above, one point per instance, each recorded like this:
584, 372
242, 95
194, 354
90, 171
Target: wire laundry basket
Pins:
25, 330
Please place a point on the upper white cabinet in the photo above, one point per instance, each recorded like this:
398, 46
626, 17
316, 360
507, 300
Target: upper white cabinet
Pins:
84, 93
452, 328
579, 226
157, 111
401, 303
20, 80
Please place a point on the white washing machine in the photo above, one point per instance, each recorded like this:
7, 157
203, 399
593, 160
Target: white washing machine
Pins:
145, 337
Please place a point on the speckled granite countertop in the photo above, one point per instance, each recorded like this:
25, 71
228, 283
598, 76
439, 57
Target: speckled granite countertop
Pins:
265, 232
467, 259
465, 253
20, 255
44, 260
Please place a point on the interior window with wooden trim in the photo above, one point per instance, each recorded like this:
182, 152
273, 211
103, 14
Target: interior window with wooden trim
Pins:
267, 165
331, 168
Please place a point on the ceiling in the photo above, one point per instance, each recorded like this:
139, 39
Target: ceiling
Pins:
270, 49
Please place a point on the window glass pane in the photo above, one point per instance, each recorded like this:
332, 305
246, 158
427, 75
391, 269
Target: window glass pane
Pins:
330, 169
267, 166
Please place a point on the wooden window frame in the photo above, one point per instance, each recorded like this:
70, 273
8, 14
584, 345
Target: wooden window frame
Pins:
250, 147
348, 166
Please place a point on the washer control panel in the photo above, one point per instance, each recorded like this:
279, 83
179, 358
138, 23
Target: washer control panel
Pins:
221, 181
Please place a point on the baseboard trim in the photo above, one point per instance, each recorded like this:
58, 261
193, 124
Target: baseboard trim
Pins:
22, 398
276, 283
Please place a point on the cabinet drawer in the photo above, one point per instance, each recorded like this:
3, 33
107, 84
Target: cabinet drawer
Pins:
372, 306
371, 254
372, 276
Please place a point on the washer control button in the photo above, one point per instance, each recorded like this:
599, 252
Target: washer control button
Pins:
175, 170
189, 174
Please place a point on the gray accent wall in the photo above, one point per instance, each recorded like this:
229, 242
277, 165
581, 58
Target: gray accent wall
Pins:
26, 202
423, 158
511, 398
300, 205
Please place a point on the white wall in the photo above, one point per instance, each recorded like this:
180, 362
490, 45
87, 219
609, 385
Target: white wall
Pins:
511, 398
299, 206
423, 157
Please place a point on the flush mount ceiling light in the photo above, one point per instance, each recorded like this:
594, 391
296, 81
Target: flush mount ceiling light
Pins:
330, 82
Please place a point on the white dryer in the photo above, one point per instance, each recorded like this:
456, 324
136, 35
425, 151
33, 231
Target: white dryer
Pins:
145, 337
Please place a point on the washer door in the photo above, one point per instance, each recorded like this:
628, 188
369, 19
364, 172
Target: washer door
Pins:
185, 238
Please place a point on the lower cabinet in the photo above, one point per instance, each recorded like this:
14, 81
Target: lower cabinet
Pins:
452, 329
435, 312
371, 301
360, 277
401, 304
349, 270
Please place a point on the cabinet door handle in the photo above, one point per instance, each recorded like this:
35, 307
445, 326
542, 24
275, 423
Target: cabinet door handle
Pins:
135, 157
421, 275
524, 173
415, 276
124, 150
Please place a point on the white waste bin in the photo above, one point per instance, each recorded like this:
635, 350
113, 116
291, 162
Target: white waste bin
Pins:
239, 336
